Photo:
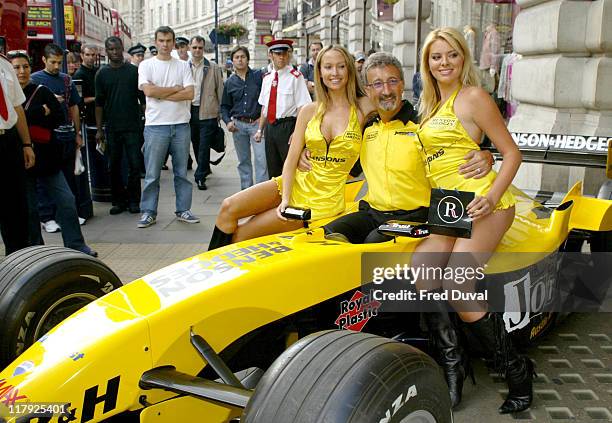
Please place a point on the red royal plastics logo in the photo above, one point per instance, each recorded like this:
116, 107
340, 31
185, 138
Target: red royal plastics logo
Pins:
356, 312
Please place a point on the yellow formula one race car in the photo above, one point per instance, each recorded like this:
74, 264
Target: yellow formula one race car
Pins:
253, 332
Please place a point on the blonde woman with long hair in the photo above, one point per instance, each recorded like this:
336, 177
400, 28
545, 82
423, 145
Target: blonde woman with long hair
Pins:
455, 115
331, 130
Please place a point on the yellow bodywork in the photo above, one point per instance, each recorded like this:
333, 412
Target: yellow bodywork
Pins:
223, 295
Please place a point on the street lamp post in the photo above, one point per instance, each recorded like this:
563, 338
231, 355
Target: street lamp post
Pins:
217, 31
57, 25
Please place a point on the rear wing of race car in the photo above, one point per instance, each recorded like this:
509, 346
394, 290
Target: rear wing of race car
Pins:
592, 214
566, 150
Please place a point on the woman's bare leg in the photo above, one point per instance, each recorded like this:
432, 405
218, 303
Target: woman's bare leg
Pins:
432, 253
251, 201
487, 233
265, 223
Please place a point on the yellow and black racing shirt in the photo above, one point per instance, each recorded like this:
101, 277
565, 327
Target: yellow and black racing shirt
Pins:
392, 165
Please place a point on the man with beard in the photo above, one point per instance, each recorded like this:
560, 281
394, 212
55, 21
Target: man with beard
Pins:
397, 186
118, 102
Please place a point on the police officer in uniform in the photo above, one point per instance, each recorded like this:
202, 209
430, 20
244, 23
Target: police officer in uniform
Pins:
283, 93
137, 53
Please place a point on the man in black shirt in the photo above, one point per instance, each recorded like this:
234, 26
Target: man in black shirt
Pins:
87, 74
118, 101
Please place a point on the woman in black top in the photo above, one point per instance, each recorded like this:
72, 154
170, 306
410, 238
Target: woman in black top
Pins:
44, 114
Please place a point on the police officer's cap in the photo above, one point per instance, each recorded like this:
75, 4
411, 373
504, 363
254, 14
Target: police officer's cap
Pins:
279, 45
137, 49
182, 40
153, 50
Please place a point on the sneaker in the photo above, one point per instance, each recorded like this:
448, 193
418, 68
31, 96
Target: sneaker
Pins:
146, 220
82, 221
201, 185
187, 217
118, 209
89, 251
50, 226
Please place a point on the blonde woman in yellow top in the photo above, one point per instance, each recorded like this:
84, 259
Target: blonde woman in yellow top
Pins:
331, 129
455, 115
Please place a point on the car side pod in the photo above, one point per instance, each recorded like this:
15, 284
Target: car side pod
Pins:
397, 228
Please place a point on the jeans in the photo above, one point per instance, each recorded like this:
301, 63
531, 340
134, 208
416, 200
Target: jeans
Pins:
118, 142
243, 140
57, 188
207, 131
79, 185
158, 140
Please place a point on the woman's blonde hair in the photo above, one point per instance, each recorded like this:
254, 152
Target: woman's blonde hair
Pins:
430, 96
354, 90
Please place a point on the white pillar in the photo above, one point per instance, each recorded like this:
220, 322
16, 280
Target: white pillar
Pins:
356, 20
563, 81
404, 36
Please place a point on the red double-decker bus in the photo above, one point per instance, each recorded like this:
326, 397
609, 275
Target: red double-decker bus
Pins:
86, 22
13, 26
121, 30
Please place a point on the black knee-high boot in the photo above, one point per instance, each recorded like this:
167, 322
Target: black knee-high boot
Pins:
445, 341
518, 369
219, 239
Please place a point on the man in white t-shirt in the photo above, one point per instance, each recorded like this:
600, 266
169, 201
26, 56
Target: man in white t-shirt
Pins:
168, 86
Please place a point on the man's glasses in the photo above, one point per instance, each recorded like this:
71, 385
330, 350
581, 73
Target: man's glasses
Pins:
378, 85
197, 48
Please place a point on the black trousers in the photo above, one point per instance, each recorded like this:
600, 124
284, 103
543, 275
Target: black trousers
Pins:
361, 227
277, 144
118, 143
13, 208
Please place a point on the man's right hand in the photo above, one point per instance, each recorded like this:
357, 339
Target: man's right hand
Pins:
231, 126
99, 136
304, 163
257, 136
60, 98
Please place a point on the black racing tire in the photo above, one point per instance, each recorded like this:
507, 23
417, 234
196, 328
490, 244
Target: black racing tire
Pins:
41, 286
350, 377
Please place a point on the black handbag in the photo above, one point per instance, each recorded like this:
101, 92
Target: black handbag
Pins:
218, 144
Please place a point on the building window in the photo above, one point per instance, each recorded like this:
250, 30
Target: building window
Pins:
177, 15
169, 17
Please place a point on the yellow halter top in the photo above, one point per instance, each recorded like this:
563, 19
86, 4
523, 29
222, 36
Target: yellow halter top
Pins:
443, 144
322, 189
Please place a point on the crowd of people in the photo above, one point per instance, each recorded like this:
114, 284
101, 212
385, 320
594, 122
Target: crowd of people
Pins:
305, 129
